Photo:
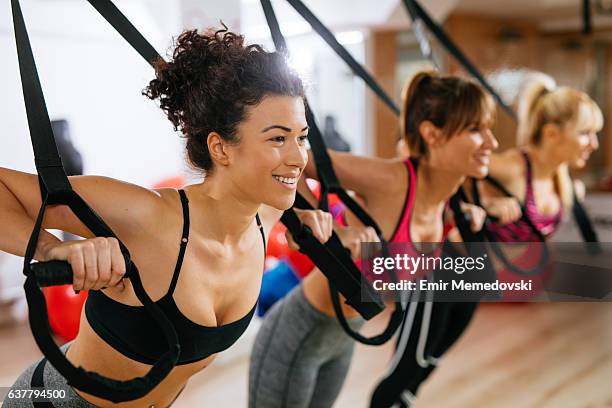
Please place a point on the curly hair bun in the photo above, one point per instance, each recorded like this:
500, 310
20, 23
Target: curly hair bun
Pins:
211, 80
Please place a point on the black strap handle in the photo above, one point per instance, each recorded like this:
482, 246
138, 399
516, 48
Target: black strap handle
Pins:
335, 263
376, 340
508, 264
55, 189
55, 273
358, 299
52, 273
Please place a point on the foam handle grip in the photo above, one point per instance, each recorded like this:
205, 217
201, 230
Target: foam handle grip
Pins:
52, 273
55, 273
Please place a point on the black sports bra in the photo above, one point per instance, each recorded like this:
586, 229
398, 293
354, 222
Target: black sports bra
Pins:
132, 331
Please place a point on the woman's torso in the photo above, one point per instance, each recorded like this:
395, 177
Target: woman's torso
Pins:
393, 211
217, 285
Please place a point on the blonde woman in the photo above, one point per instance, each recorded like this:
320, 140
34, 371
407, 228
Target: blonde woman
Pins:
558, 127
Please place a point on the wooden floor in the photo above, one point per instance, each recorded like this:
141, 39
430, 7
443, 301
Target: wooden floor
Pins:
524, 355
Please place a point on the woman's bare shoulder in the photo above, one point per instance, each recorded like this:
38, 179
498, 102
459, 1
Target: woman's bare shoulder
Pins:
507, 164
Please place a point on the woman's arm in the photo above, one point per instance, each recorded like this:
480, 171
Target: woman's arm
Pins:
125, 207
366, 176
96, 262
507, 169
16, 226
505, 209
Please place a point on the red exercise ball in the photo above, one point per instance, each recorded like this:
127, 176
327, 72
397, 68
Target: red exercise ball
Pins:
277, 242
315, 187
171, 182
300, 263
64, 308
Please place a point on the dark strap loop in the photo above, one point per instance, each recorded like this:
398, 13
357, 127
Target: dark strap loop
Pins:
38, 381
394, 322
540, 267
471, 240
335, 263
357, 299
587, 231
355, 66
111, 13
55, 189
417, 13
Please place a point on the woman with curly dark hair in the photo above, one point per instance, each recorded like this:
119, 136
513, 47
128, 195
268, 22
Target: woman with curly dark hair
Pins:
199, 250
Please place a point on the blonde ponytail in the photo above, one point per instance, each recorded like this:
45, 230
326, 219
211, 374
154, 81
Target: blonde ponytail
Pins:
529, 107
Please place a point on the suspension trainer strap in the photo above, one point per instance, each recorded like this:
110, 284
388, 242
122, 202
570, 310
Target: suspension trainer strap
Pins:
585, 225
330, 184
335, 263
355, 66
545, 256
56, 189
111, 13
417, 13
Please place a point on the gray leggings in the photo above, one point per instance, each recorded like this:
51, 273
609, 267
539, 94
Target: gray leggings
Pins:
53, 380
300, 357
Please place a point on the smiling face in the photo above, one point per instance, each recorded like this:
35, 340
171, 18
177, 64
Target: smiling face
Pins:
578, 140
448, 121
465, 153
271, 154
576, 146
564, 122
